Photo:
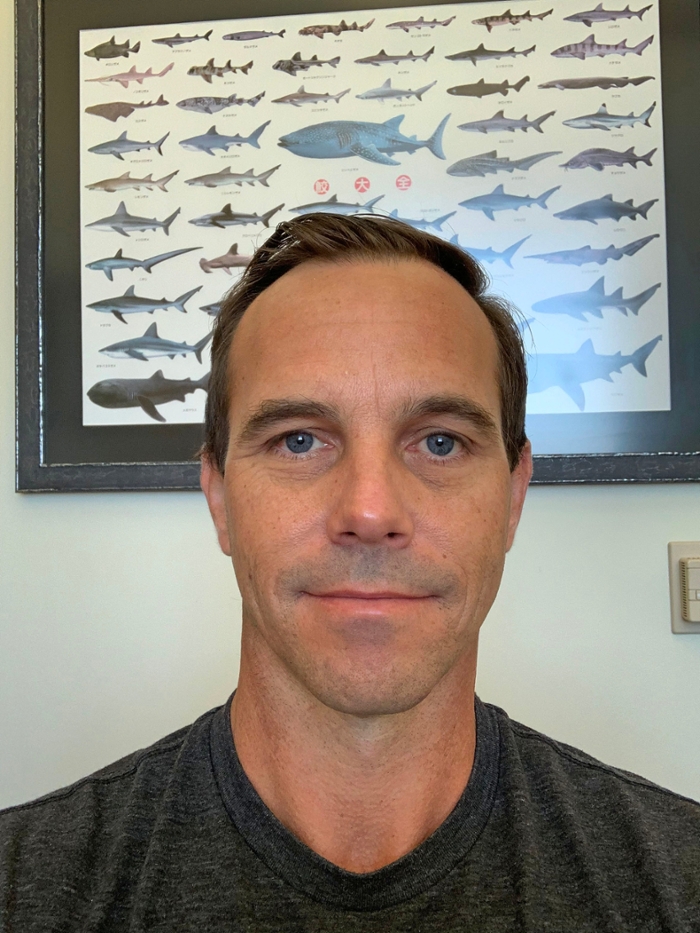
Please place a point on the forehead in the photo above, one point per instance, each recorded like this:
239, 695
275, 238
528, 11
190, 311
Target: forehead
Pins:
362, 330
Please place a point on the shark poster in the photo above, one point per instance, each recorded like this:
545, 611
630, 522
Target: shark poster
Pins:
530, 135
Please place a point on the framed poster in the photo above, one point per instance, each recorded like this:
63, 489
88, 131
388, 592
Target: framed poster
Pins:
159, 142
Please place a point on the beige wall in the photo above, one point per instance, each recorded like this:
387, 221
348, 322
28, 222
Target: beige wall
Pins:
119, 619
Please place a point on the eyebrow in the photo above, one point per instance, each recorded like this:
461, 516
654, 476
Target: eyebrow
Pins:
458, 406
272, 412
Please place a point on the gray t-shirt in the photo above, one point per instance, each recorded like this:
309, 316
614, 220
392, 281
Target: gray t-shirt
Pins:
174, 838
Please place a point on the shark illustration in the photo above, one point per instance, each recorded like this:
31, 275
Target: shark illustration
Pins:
144, 393
489, 254
210, 70
602, 120
569, 371
375, 142
230, 260
113, 49
489, 163
593, 300
214, 104
589, 48
482, 89
421, 223
387, 92
498, 200
296, 63
213, 309
123, 222
587, 254
151, 345
130, 303
579, 84
334, 30
126, 181
381, 58
481, 54
117, 147
420, 23
121, 108
228, 218
126, 77
499, 123
509, 19
598, 159
252, 35
605, 209
119, 261
599, 15
309, 97
173, 41
212, 140
227, 177
334, 206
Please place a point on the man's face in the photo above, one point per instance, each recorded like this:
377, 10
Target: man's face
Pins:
367, 501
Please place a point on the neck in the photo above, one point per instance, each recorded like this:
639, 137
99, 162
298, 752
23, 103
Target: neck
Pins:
359, 791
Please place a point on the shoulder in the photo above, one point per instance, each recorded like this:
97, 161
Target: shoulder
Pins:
599, 798
48, 835
146, 766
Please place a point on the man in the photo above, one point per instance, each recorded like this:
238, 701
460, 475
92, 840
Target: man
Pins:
365, 465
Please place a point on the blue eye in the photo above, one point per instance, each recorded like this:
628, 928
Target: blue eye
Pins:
299, 442
440, 444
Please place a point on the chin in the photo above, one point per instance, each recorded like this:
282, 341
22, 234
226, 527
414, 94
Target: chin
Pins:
371, 693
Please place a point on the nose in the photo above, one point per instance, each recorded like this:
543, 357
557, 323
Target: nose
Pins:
370, 505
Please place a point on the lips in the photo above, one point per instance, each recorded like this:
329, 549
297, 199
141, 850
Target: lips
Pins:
369, 595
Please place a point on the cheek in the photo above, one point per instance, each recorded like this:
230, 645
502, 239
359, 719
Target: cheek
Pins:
268, 524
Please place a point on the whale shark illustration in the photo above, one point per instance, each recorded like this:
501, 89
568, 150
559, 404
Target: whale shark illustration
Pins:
374, 142
144, 393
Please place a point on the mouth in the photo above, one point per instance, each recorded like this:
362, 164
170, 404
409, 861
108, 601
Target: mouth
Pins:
369, 595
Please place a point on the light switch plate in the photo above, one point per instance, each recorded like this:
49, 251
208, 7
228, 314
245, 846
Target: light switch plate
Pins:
676, 550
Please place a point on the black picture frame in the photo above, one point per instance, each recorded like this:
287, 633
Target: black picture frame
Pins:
55, 452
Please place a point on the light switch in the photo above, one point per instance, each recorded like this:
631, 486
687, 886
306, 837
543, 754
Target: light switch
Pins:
684, 579
690, 581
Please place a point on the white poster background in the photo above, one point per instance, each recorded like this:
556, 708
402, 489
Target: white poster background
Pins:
431, 193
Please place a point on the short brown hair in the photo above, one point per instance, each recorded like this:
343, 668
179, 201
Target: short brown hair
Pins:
336, 239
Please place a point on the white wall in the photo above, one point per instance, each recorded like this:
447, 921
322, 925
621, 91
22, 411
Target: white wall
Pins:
119, 618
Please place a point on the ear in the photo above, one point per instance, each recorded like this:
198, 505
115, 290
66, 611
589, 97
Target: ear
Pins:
519, 481
214, 489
